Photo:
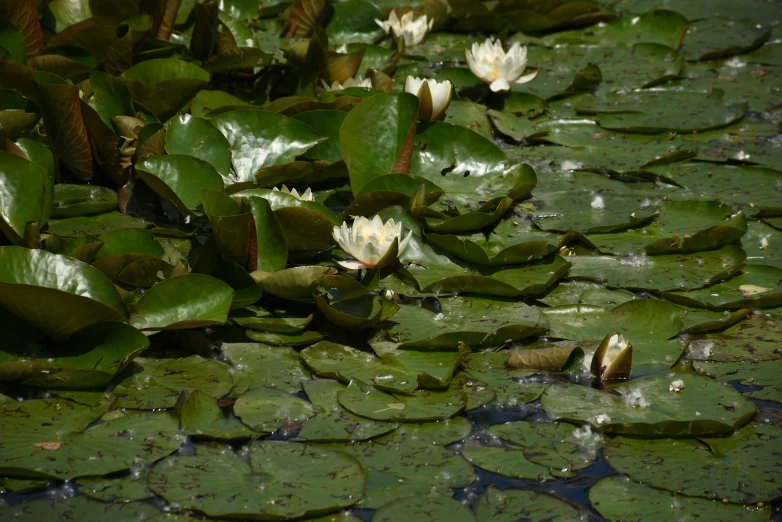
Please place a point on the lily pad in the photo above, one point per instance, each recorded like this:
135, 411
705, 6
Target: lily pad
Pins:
90, 358
201, 417
157, 383
269, 485
763, 374
80, 507
434, 508
736, 468
755, 339
57, 294
652, 407
50, 438
261, 139
255, 364
268, 409
424, 405
331, 422
82, 200
473, 321
206, 302
671, 272
507, 505
619, 498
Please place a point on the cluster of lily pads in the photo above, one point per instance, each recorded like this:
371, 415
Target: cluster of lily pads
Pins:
351, 260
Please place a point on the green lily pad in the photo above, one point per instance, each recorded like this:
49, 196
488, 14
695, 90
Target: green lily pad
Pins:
765, 374
180, 179
186, 301
331, 422
511, 386
619, 498
412, 460
56, 294
50, 438
651, 407
559, 446
434, 508
90, 358
374, 137
345, 364
261, 139
165, 85
268, 409
757, 286
641, 319
684, 111
125, 489
197, 137
94, 225
756, 338
201, 417
682, 226
81, 508
82, 200
506, 505
157, 383
255, 364
672, 272
474, 321
735, 468
270, 484
424, 405
505, 461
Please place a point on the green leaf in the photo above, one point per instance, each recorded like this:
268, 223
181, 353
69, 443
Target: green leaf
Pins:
55, 293
179, 179
507, 505
255, 364
198, 137
619, 498
201, 417
266, 409
271, 246
89, 359
366, 401
24, 195
261, 139
434, 508
651, 407
82, 200
186, 301
331, 422
71, 448
157, 383
222, 484
165, 85
736, 468
374, 137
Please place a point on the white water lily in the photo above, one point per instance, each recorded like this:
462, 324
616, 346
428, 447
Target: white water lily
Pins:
613, 359
368, 241
489, 62
434, 97
358, 81
411, 31
304, 196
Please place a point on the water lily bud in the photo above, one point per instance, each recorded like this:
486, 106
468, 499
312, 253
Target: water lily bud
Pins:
489, 62
369, 241
613, 359
433, 97
411, 31
358, 81
307, 195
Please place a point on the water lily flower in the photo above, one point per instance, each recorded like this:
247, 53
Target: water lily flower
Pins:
434, 97
489, 62
411, 31
368, 241
304, 196
613, 359
358, 81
